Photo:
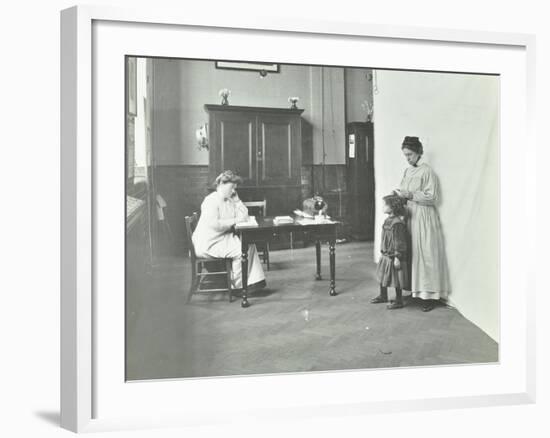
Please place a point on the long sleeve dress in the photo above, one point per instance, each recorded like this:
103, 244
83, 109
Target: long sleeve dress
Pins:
429, 269
214, 237
394, 244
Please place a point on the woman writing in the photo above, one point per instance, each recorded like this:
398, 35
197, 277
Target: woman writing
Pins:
420, 187
214, 237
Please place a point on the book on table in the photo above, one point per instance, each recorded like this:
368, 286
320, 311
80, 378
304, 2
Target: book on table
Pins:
251, 222
280, 220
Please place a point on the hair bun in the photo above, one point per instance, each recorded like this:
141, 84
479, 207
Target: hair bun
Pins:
228, 176
412, 143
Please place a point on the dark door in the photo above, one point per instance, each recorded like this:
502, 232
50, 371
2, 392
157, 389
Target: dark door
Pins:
360, 174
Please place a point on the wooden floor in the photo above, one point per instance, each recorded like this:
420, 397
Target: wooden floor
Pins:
291, 326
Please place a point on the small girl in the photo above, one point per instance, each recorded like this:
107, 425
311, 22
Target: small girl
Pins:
392, 268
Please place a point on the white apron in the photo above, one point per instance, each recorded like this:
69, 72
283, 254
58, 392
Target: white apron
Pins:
429, 270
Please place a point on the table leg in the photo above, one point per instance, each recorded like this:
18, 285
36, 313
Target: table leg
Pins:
332, 251
244, 272
318, 258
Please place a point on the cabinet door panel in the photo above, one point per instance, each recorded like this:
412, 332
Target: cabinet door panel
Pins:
277, 154
237, 146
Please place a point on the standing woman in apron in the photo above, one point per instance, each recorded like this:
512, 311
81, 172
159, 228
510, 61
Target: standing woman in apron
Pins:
420, 187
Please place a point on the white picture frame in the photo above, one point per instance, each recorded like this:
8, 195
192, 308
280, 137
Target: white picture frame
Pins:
81, 370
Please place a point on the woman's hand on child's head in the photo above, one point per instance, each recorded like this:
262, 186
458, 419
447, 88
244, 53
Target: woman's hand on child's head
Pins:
403, 193
397, 263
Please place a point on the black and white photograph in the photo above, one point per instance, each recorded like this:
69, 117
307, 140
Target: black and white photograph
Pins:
286, 218
243, 219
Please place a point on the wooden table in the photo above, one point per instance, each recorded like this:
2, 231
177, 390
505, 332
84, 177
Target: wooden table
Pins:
266, 230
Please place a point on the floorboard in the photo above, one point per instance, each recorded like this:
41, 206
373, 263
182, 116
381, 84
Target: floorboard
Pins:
291, 326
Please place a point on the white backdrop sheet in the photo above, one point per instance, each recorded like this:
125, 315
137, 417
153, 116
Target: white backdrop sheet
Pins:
456, 117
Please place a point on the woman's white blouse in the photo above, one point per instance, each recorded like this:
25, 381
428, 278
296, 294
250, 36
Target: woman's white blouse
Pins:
422, 183
217, 218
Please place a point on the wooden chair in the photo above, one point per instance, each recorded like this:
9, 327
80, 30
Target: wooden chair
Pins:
218, 266
263, 245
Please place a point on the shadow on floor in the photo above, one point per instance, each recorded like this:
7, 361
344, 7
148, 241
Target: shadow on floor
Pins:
51, 417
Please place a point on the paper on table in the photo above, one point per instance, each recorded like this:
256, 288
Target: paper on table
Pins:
298, 212
251, 222
306, 221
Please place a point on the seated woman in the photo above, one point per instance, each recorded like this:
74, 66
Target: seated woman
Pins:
214, 236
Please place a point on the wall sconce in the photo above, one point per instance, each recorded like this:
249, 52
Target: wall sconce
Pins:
369, 110
202, 137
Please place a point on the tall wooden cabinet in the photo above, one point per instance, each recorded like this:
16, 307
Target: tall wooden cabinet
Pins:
264, 146
360, 178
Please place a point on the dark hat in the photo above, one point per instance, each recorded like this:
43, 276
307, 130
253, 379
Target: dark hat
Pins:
412, 143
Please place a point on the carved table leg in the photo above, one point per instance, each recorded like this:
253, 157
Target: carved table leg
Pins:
318, 254
332, 251
244, 272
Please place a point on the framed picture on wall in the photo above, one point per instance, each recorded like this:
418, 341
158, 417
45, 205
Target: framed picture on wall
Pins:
105, 381
252, 66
